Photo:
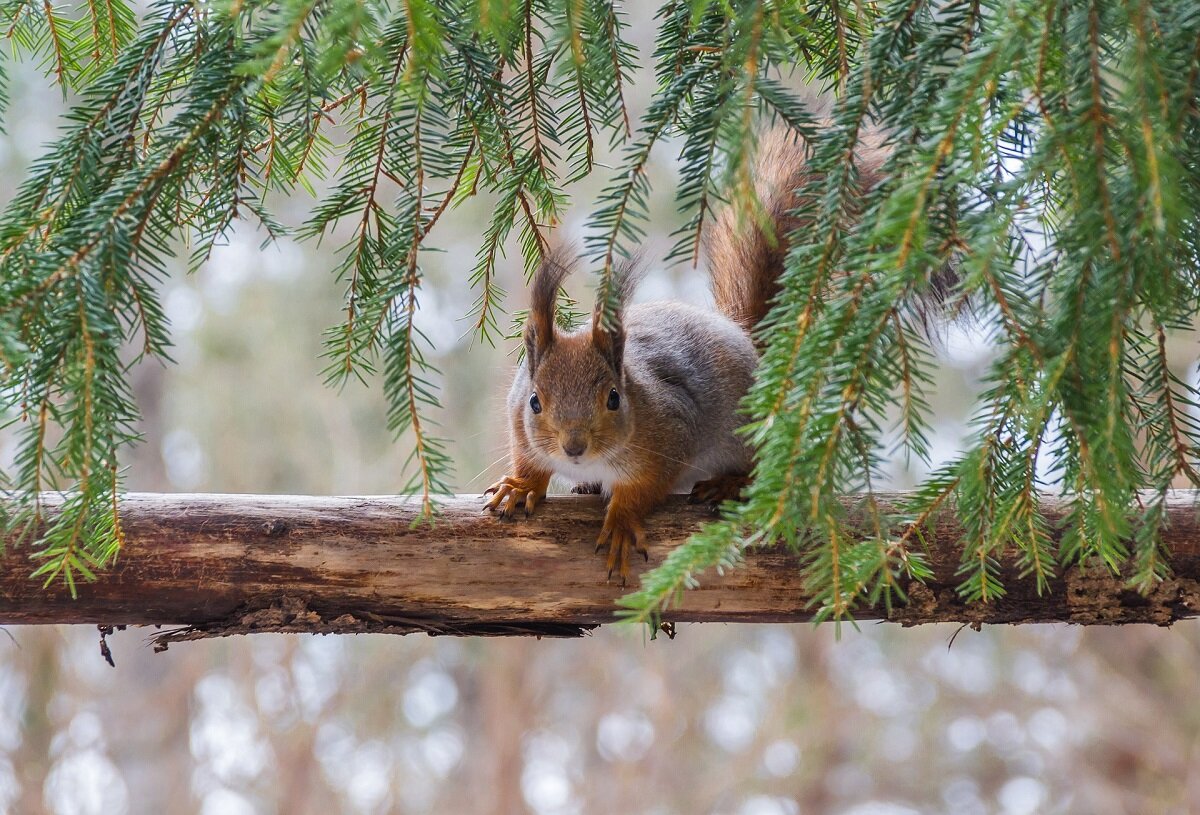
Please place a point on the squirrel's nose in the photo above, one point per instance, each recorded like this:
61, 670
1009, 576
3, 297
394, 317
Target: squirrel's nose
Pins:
574, 446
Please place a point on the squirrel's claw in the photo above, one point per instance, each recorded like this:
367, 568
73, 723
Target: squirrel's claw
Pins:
622, 536
512, 492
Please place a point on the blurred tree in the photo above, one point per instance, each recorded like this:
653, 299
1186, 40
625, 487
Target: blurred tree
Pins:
1050, 147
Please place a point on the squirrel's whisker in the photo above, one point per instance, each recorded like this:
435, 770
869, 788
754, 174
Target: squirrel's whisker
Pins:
664, 455
485, 469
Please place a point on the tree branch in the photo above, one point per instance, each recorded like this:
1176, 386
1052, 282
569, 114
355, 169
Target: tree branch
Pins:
217, 565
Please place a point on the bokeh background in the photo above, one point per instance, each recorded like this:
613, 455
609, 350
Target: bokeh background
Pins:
736, 720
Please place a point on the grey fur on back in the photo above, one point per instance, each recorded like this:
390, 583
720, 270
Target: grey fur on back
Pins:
692, 366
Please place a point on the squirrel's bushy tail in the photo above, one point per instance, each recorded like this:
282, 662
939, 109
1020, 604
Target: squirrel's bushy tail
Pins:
745, 252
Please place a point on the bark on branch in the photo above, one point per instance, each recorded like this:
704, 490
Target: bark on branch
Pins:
213, 565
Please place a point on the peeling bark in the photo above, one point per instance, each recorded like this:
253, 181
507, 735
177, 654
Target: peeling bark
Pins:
217, 565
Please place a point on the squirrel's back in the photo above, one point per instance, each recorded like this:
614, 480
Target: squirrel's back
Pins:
689, 369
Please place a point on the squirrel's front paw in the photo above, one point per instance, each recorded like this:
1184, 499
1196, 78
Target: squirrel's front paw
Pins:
621, 535
513, 492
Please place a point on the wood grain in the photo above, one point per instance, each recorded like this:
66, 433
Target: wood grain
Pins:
213, 565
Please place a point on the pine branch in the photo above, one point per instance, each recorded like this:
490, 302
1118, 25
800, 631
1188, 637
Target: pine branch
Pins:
1046, 150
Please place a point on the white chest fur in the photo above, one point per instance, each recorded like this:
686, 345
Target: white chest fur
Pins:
586, 471
599, 471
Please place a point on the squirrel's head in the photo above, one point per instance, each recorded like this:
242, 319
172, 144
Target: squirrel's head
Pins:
576, 408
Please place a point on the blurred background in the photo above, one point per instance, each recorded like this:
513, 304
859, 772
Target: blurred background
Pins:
736, 720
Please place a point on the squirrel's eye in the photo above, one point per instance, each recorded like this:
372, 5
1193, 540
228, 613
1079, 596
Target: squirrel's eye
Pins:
536, 403
614, 399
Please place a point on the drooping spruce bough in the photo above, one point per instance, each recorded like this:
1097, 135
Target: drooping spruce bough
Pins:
1049, 150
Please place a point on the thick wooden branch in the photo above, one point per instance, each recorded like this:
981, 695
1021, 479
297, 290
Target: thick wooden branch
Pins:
213, 565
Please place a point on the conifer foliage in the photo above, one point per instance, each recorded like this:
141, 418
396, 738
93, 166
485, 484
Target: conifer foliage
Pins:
1049, 150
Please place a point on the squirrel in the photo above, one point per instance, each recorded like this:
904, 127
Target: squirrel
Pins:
647, 404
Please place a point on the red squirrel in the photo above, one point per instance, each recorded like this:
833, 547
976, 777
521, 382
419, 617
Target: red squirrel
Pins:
648, 406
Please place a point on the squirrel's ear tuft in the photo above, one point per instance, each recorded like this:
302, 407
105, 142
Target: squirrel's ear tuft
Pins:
539, 325
608, 327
